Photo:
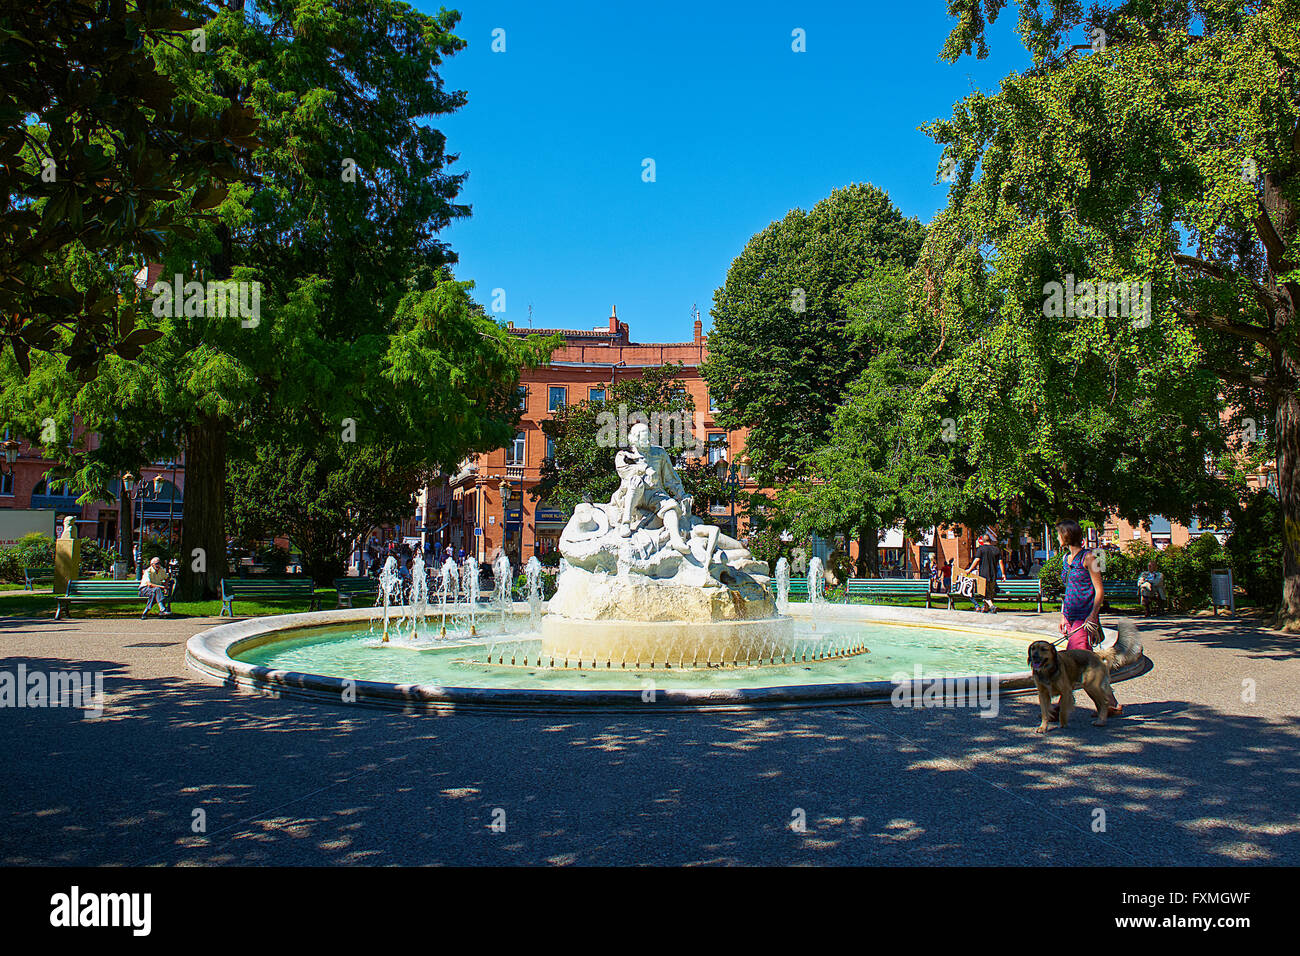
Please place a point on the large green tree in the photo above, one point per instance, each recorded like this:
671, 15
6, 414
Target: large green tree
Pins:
781, 352
96, 149
444, 387
1151, 142
360, 327
890, 455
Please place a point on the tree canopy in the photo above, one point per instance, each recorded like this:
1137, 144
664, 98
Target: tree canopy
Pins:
1162, 157
781, 351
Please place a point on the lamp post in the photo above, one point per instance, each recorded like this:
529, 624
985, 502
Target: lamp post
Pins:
144, 492
10, 455
732, 477
124, 514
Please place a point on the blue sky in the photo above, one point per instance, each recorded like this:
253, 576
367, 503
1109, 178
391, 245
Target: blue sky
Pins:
741, 129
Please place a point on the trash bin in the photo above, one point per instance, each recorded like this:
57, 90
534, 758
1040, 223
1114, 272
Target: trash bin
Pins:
1221, 590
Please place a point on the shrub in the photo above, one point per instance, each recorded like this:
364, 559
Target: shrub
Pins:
1255, 549
274, 558
1186, 570
32, 551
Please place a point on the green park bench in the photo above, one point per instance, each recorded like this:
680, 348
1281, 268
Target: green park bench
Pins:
1022, 589
33, 575
97, 591
265, 589
889, 587
1016, 589
1126, 591
349, 589
799, 588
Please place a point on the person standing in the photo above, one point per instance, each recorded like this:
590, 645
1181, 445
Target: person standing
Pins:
988, 558
1084, 592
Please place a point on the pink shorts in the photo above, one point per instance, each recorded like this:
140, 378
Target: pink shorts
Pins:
1076, 633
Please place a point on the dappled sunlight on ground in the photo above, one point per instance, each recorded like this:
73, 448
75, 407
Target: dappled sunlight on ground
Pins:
1189, 775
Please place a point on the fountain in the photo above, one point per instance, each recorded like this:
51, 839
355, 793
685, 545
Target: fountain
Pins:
645, 590
641, 572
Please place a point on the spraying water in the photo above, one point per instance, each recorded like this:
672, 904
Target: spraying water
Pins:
469, 583
783, 583
816, 581
533, 572
390, 590
419, 597
501, 581
448, 589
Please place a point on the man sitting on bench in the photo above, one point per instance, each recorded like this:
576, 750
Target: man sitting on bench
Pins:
1151, 590
155, 587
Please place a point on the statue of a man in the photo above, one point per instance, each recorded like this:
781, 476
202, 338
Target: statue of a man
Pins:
69, 527
651, 484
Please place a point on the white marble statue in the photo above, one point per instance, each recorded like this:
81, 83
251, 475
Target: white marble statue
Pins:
69, 527
645, 542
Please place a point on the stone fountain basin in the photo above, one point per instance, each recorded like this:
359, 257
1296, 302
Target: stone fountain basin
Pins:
210, 654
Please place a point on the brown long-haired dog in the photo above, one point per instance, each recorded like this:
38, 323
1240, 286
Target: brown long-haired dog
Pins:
1056, 672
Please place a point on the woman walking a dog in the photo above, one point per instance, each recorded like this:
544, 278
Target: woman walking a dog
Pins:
1080, 610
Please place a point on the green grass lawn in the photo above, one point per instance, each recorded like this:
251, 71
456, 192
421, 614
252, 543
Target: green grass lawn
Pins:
42, 605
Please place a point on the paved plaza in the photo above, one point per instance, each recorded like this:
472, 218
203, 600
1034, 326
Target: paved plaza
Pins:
1190, 775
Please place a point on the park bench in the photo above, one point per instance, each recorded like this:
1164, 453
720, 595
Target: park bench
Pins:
889, 587
349, 589
1018, 589
1126, 591
265, 589
96, 591
799, 588
32, 575
1027, 589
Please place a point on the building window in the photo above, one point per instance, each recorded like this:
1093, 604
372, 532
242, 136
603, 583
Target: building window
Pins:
550, 447
596, 395
713, 402
6, 484
557, 393
515, 453
717, 447
523, 398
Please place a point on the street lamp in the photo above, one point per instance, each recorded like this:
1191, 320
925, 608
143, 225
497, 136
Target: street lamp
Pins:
10, 455
732, 477
143, 492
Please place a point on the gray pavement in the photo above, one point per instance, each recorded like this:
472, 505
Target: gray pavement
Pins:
1193, 774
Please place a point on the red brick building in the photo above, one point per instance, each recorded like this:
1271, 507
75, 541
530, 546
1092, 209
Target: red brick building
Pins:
488, 503
159, 499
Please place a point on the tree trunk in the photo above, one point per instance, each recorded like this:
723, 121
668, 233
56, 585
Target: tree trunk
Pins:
1287, 434
203, 534
868, 553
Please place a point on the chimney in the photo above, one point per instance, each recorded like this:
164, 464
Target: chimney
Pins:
613, 320
699, 332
